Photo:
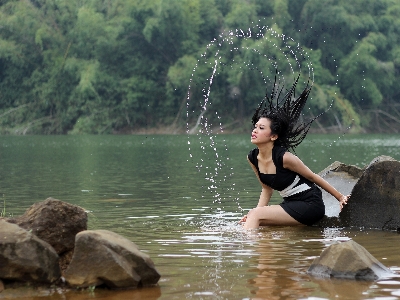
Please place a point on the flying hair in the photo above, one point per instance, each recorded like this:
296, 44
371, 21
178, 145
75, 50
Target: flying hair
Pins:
284, 111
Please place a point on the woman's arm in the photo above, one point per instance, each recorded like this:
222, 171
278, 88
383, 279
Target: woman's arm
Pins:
266, 192
294, 164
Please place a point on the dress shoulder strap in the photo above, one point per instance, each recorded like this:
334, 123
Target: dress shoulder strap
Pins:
277, 156
253, 157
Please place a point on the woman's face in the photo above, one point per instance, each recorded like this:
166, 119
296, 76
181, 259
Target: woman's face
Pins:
262, 132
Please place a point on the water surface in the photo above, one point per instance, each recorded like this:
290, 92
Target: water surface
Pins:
179, 199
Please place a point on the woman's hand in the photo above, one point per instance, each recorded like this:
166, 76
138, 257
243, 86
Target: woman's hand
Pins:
343, 201
243, 220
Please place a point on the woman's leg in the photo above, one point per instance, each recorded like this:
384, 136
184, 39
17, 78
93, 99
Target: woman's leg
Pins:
268, 215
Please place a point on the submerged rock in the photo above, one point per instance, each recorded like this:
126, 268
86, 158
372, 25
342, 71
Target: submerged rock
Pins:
103, 257
348, 260
25, 257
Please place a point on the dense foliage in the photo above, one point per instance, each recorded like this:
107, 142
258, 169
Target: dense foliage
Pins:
103, 66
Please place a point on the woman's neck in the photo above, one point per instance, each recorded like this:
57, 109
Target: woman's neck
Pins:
265, 150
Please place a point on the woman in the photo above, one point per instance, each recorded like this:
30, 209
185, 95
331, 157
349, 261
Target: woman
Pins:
276, 130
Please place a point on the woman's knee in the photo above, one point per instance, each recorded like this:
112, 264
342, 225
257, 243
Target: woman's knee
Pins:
254, 213
253, 219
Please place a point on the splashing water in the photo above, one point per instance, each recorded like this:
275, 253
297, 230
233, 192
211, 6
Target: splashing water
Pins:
292, 59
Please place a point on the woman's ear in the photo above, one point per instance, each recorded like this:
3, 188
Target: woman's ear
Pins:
274, 137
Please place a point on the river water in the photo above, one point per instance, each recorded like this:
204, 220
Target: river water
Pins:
179, 199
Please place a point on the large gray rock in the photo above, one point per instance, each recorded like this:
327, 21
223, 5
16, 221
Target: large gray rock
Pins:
375, 199
348, 260
55, 222
104, 257
343, 178
375, 195
24, 257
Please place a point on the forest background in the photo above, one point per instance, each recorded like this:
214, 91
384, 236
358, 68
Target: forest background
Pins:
126, 66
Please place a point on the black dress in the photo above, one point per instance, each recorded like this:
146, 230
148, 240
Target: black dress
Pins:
302, 199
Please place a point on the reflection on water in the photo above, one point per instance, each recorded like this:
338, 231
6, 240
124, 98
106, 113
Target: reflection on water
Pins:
149, 190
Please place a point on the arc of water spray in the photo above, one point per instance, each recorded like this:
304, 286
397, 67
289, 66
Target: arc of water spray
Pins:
204, 107
227, 37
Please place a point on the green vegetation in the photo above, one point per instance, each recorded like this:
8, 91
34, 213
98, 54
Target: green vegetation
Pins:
112, 66
3, 213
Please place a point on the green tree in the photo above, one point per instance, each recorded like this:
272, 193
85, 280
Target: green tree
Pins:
114, 66
363, 76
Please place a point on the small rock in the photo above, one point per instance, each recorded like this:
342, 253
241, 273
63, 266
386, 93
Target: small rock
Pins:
104, 257
55, 222
348, 260
25, 257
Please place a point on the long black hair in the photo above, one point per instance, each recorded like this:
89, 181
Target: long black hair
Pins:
285, 114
